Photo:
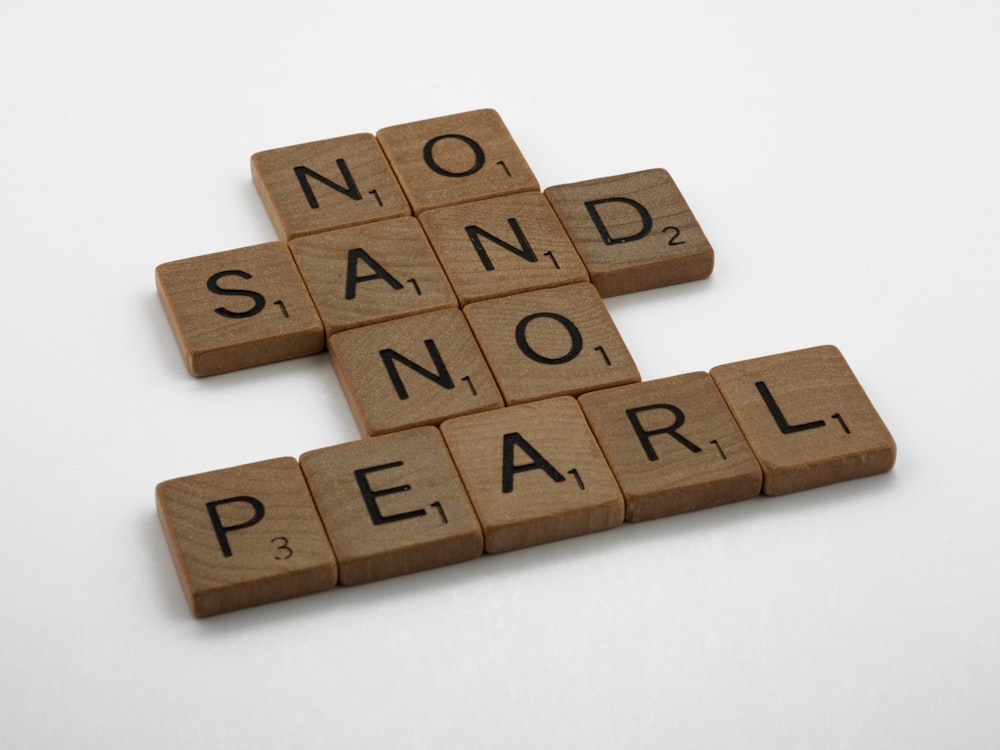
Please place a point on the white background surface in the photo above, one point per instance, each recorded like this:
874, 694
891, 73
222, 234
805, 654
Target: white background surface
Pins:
844, 165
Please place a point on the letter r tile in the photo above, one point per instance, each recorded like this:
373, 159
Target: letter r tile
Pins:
534, 473
323, 185
673, 445
392, 505
807, 419
633, 231
551, 342
414, 371
456, 158
245, 536
239, 308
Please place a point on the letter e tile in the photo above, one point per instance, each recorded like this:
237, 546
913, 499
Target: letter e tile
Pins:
392, 505
673, 445
807, 419
414, 371
633, 231
534, 473
239, 308
245, 536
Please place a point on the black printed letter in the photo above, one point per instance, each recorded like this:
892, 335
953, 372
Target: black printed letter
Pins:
643, 434
258, 299
220, 530
575, 339
477, 152
512, 439
647, 220
779, 418
371, 496
351, 191
353, 256
524, 251
441, 377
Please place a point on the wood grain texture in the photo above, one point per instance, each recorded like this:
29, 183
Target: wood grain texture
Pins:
551, 342
239, 308
371, 273
501, 246
673, 445
323, 185
392, 505
633, 231
534, 474
807, 419
456, 158
415, 371
245, 536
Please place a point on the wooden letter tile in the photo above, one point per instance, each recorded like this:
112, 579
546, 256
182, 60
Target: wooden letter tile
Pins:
244, 536
534, 473
456, 158
372, 272
324, 185
239, 308
500, 246
673, 445
413, 371
634, 231
551, 342
807, 419
392, 505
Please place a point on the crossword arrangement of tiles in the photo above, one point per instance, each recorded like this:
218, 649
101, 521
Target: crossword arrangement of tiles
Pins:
462, 308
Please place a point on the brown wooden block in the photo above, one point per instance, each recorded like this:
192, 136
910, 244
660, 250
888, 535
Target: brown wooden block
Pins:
551, 342
323, 185
807, 419
633, 231
392, 505
534, 473
456, 158
500, 246
239, 308
245, 536
414, 371
673, 445
372, 272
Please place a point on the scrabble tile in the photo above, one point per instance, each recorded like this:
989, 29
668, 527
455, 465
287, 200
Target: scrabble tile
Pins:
414, 371
245, 536
456, 158
673, 445
372, 272
392, 505
534, 473
323, 185
551, 342
500, 246
807, 419
633, 231
239, 308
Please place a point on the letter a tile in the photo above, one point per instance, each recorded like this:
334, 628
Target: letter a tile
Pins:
456, 158
673, 445
807, 419
534, 473
371, 273
323, 185
415, 371
245, 536
634, 231
239, 308
551, 342
392, 505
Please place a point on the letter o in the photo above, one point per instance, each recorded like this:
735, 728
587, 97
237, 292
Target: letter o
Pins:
477, 150
576, 340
